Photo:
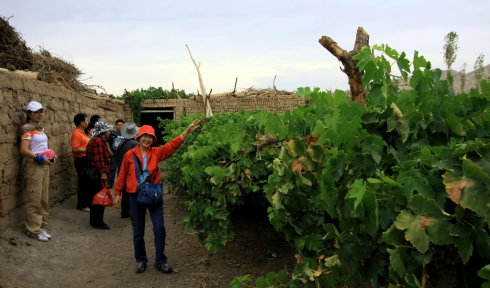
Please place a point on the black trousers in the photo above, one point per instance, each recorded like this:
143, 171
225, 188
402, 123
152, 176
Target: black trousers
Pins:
83, 197
96, 211
125, 204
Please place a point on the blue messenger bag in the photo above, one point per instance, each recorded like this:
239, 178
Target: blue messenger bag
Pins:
149, 193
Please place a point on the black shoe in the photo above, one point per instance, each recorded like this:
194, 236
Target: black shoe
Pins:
103, 227
165, 268
125, 215
140, 267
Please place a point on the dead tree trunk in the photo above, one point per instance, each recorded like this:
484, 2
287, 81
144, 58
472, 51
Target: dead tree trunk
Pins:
207, 106
350, 66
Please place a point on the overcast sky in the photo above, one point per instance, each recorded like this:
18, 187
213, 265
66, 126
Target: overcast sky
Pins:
137, 44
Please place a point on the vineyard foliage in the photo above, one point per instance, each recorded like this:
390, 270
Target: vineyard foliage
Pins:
375, 196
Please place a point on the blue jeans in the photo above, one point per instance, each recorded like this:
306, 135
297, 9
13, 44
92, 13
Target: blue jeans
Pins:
138, 215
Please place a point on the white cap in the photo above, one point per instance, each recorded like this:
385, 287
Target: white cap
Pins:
34, 106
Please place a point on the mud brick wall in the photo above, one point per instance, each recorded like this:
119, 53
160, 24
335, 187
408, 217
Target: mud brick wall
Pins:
60, 105
267, 99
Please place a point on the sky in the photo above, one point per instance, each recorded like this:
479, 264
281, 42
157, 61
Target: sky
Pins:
127, 45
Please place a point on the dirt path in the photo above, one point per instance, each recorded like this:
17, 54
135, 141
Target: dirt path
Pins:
79, 256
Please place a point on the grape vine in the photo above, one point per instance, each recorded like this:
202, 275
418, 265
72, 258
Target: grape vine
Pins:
380, 196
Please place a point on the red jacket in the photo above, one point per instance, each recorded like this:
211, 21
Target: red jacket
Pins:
126, 179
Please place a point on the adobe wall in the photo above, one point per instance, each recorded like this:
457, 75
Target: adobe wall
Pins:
60, 105
267, 99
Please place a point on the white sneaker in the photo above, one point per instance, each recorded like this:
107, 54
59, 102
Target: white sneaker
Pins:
40, 236
46, 233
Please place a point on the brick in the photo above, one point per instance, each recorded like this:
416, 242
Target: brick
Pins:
8, 204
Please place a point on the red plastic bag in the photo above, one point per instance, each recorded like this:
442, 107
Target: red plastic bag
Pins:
103, 197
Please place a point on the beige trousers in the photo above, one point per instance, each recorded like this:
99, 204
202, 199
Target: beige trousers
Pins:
36, 184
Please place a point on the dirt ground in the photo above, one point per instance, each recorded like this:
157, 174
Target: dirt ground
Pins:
80, 256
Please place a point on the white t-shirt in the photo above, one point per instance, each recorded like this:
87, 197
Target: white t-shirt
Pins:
39, 141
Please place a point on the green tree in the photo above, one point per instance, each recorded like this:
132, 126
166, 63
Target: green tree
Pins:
479, 68
450, 49
463, 77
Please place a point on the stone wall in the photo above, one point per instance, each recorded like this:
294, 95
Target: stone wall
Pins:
266, 99
60, 106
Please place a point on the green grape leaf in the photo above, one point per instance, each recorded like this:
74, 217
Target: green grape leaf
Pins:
332, 261
455, 125
364, 57
464, 243
276, 201
397, 261
425, 207
403, 65
418, 61
311, 242
392, 53
392, 236
474, 171
271, 278
304, 180
262, 282
484, 272
440, 232
477, 198
316, 152
357, 192
415, 229
283, 276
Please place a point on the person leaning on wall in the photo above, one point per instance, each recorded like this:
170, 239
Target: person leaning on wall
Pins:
79, 141
33, 145
149, 157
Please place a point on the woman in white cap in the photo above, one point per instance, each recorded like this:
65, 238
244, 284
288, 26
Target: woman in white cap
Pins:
36, 172
97, 169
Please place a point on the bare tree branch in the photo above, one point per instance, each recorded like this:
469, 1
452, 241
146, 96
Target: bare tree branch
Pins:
207, 106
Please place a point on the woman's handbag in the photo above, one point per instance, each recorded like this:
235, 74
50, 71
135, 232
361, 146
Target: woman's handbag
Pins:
149, 193
103, 197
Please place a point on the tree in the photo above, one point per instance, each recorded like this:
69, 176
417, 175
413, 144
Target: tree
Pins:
350, 66
479, 68
205, 97
450, 49
463, 77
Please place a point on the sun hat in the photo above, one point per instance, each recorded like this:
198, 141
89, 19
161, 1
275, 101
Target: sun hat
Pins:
129, 130
100, 127
34, 106
146, 129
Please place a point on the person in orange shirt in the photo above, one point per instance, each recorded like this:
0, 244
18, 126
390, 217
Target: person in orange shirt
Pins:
79, 141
